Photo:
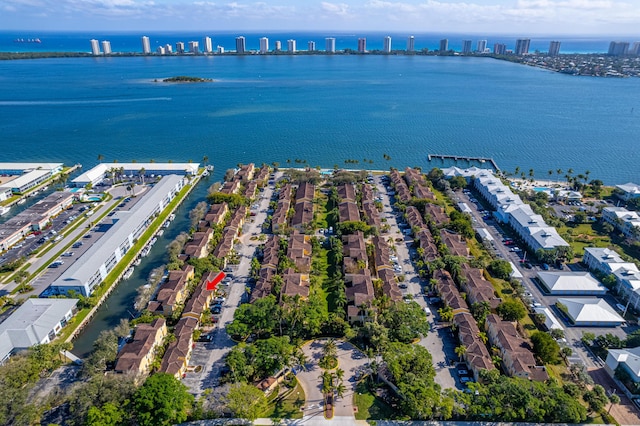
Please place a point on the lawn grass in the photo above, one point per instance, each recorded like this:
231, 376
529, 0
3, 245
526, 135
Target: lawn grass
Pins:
286, 404
370, 407
321, 272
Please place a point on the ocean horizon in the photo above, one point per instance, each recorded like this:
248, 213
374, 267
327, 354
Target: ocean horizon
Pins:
129, 41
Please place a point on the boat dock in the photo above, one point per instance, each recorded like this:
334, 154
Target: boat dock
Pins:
464, 158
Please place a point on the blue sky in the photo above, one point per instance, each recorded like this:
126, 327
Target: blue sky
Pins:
529, 17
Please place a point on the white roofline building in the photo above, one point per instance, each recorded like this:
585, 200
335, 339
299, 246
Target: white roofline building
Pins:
90, 269
101, 171
591, 312
37, 321
29, 175
511, 209
551, 322
628, 222
628, 359
630, 190
571, 283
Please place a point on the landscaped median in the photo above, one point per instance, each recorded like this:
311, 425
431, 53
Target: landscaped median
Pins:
103, 290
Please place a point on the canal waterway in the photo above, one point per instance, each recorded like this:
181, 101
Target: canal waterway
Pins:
119, 304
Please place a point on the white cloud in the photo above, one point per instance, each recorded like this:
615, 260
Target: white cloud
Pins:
340, 9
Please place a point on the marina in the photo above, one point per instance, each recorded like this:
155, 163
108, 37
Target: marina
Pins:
467, 159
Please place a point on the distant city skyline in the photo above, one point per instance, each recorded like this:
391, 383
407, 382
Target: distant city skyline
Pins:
533, 17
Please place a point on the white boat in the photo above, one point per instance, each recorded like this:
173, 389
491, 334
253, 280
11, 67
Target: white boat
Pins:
128, 273
137, 261
172, 217
145, 251
21, 201
4, 210
160, 233
153, 241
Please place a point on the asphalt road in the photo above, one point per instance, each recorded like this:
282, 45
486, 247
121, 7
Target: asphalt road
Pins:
210, 355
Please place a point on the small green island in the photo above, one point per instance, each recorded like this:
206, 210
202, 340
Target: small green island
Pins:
186, 79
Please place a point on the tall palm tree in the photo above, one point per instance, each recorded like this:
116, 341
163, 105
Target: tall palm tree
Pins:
330, 349
100, 158
340, 389
559, 172
205, 160
141, 173
460, 351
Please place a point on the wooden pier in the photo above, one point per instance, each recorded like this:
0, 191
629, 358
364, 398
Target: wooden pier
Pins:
464, 158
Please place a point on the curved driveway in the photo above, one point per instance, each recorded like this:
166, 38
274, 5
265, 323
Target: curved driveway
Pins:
350, 359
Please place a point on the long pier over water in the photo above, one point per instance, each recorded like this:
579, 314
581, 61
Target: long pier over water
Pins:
464, 158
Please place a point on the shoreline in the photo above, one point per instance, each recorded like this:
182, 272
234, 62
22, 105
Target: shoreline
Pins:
591, 64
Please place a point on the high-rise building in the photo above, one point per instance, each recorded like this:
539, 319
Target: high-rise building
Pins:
330, 45
522, 46
194, 47
220, 49
444, 45
278, 46
554, 48
635, 50
466, 47
180, 47
264, 45
168, 49
618, 48
146, 45
208, 46
362, 45
291, 46
311, 46
411, 44
386, 44
106, 47
499, 48
240, 45
482, 46
95, 47
160, 50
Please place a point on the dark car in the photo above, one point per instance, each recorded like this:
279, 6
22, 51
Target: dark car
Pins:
205, 338
216, 309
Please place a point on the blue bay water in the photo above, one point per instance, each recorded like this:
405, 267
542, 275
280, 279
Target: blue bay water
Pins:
321, 109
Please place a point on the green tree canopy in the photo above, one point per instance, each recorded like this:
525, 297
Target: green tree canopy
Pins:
511, 310
545, 347
500, 268
161, 400
246, 401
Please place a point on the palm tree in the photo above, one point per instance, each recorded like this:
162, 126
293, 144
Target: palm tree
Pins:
483, 336
100, 158
339, 374
460, 351
559, 172
141, 173
205, 160
550, 173
531, 173
340, 389
330, 349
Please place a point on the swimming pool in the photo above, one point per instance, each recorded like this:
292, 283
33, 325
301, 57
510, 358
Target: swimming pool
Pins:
94, 199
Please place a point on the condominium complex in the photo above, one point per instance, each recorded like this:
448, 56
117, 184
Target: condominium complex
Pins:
264, 45
311, 46
106, 47
411, 44
291, 46
95, 47
618, 48
482, 46
444, 45
522, 46
554, 48
241, 45
146, 45
330, 44
362, 45
179, 47
93, 266
499, 48
386, 47
194, 47
208, 46
466, 46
